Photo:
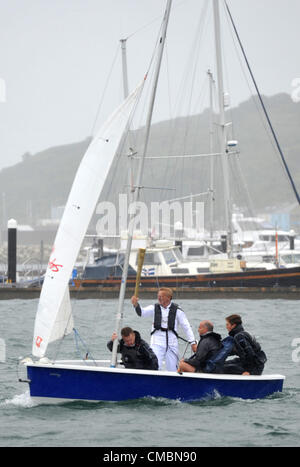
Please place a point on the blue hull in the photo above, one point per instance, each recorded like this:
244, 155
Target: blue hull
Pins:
106, 384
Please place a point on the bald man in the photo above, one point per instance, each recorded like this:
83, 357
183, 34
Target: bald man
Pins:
209, 345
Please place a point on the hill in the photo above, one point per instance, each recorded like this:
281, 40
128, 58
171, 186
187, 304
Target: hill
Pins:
43, 180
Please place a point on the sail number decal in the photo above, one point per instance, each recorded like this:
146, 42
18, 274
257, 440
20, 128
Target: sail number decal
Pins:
53, 266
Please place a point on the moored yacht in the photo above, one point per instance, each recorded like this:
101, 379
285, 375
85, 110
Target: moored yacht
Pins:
164, 265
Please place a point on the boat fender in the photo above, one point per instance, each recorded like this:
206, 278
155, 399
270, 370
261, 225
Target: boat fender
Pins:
213, 364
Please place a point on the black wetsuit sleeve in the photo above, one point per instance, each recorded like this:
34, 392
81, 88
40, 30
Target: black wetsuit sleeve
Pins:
198, 359
138, 310
244, 348
146, 351
110, 345
148, 355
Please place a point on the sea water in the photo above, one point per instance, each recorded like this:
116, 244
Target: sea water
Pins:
152, 422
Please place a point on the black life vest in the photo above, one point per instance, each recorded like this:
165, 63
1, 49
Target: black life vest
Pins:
171, 318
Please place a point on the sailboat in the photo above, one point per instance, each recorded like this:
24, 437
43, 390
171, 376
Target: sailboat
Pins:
92, 380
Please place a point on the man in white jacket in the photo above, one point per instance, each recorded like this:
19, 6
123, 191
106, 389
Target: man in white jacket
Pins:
167, 317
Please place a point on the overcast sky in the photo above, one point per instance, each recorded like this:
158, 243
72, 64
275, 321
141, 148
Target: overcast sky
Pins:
56, 59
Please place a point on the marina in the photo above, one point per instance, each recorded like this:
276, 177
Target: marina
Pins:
166, 315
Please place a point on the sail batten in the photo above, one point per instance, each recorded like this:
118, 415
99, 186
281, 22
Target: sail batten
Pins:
53, 318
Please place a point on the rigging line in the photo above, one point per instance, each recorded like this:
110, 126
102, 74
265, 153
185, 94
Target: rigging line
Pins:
168, 81
261, 117
154, 20
235, 166
139, 136
241, 188
197, 46
105, 88
77, 335
114, 173
144, 27
135, 135
264, 108
141, 132
254, 100
147, 75
187, 156
173, 123
71, 314
196, 51
190, 62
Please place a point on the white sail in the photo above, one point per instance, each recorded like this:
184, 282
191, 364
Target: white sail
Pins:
85, 192
64, 322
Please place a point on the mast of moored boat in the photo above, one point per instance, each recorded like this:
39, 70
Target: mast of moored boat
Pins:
211, 162
137, 188
126, 93
222, 124
124, 68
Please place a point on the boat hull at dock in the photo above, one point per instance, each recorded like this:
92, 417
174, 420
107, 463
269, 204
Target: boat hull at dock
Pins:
69, 381
285, 277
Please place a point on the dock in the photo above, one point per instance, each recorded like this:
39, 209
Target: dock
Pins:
9, 292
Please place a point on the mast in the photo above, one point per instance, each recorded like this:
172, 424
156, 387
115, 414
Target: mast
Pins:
211, 162
222, 124
138, 187
124, 68
126, 93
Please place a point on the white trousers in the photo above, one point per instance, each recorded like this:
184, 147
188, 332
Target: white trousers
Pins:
170, 356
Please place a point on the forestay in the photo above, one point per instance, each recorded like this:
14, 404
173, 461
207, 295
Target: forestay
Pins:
54, 311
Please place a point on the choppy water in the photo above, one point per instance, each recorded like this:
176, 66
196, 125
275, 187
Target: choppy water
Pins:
274, 421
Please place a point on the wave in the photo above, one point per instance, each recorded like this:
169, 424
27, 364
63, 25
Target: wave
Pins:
20, 400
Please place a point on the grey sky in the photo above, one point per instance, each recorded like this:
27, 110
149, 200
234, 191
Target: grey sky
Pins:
55, 57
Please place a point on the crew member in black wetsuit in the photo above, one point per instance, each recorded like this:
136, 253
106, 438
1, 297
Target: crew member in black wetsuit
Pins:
251, 358
209, 345
136, 353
